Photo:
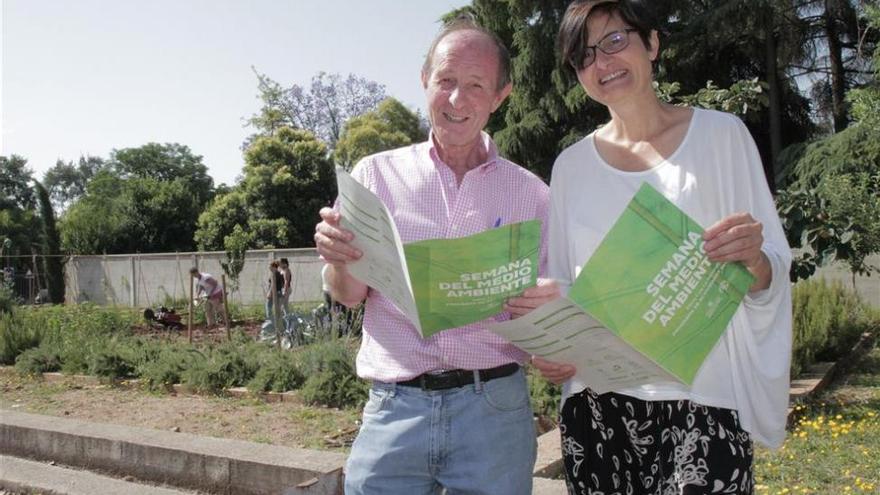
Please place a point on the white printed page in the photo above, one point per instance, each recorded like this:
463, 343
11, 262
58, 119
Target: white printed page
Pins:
563, 332
382, 266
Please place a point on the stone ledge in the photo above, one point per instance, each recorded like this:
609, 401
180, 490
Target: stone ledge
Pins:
214, 464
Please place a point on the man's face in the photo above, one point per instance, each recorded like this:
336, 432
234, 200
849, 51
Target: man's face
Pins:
462, 88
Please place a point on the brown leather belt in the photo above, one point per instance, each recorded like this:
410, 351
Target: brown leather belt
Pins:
458, 378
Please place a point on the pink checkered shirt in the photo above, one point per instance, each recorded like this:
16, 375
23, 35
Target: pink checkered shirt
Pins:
421, 193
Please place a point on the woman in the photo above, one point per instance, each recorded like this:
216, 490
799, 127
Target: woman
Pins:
274, 289
667, 438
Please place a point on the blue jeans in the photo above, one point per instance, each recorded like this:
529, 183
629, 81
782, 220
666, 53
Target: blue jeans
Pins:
476, 439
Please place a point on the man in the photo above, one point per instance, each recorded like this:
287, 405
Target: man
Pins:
209, 286
451, 410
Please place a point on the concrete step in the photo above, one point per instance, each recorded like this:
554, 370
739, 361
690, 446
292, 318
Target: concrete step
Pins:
25, 476
179, 459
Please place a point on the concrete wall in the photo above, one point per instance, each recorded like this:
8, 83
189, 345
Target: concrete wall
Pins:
142, 280
868, 288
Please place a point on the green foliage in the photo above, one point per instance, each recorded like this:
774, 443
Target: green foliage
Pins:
831, 206
545, 396
7, 300
287, 179
18, 217
235, 245
827, 320
66, 182
146, 199
740, 98
330, 375
17, 334
167, 365
38, 360
853, 150
114, 361
390, 126
231, 364
52, 264
278, 372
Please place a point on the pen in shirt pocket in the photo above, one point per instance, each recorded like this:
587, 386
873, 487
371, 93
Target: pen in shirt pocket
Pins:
497, 223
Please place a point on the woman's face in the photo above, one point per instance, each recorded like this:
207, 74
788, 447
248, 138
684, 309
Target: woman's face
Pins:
626, 74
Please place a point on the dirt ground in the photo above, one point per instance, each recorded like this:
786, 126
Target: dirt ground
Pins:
288, 423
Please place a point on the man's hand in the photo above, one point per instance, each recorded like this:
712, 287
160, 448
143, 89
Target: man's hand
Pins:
332, 241
739, 237
546, 291
553, 371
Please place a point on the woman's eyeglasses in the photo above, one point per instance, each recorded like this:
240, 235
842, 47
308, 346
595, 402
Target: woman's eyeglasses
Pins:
610, 44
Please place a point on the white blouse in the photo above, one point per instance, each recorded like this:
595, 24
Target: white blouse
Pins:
715, 172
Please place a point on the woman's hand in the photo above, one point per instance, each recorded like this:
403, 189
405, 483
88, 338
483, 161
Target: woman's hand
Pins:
739, 238
546, 291
553, 371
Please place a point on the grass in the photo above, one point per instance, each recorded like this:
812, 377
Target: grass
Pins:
834, 445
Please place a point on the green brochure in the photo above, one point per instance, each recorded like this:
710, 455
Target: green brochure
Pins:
464, 280
440, 283
650, 283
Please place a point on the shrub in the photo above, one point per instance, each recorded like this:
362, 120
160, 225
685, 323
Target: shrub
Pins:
827, 320
277, 373
7, 300
37, 360
17, 334
167, 366
231, 364
545, 396
331, 380
113, 362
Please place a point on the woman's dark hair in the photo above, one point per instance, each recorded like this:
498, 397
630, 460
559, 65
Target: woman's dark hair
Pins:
572, 38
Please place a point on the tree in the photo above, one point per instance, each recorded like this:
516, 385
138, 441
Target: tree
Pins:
548, 110
66, 182
53, 266
236, 245
147, 199
831, 208
287, 179
323, 108
18, 218
165, 163
390, 126
15, 177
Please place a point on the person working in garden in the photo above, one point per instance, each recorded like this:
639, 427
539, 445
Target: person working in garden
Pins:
212, 290
287, 276
451, 410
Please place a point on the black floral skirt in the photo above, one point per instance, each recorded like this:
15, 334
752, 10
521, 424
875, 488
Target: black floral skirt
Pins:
617, 444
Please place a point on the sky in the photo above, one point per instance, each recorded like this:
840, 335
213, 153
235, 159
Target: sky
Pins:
85, 77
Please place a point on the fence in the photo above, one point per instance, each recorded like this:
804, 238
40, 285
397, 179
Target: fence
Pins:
26, 278
141, 280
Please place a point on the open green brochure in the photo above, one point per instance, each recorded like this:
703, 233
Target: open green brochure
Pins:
647, 307
439, 283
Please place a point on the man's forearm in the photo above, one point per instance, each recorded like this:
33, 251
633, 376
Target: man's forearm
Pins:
344, 288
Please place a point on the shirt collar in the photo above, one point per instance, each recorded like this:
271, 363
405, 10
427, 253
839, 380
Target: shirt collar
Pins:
485, 141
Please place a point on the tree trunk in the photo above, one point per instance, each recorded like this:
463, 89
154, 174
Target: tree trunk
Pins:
775, 101
835, 62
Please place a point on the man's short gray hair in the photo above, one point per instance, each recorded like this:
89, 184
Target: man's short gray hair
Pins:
466, 22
